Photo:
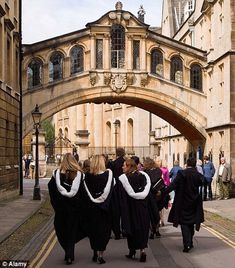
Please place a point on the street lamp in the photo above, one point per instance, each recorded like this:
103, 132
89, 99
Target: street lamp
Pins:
36, 120
116, 125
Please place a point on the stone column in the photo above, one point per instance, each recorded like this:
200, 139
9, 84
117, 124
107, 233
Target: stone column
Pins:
41, 151
66, 67
107, 56
45, 78
143, 53
129, 52
82, 143
98, 126
93, 51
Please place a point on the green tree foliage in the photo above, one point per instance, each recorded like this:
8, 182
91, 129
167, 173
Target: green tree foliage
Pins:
50, 131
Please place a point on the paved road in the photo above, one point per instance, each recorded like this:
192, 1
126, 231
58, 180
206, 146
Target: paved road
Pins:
209, 252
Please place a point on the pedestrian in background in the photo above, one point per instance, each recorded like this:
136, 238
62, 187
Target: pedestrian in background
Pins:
172, 174
134, 193
224, 175
96, 194
187, 209
208, 172
65, 199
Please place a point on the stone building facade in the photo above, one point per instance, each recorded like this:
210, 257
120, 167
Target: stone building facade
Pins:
9, 97
210, 26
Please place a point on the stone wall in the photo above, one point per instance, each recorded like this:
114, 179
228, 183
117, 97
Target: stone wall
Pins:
9, 145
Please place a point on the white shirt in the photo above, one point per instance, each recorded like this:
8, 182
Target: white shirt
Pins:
221, 169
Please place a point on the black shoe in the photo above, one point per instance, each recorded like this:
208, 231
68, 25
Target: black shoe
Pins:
69, 261
95, 256
151, 236
117, 237
186, 249
131, 254
143, 257
100, 260
158, 234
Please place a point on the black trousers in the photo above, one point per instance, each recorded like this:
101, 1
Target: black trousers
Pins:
207, 184
69, 251
187, 233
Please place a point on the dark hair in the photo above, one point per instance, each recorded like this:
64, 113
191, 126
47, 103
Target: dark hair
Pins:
120, 152
136, 159
191, 162
206, 157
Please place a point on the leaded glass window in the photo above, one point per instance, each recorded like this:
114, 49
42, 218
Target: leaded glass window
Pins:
76, 60
136, 54
99, 53
34, 72
117, 46
156, 62
176, 70
56, 67
196, 76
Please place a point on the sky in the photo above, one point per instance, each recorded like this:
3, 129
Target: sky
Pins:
44, 19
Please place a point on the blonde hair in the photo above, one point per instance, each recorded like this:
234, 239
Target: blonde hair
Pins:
97, 164
69, 163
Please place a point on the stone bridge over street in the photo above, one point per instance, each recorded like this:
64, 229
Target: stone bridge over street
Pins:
118, 59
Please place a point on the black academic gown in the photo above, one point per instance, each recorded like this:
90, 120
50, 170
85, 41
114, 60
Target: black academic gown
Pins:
155, 175
134, 212
67, 221
97, 215
116, 167
187, 207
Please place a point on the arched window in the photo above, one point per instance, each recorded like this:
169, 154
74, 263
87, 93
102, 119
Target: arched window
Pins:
196, 76
56, 67
66, 133
76, 60
117, 46
156, 62
130, 133
34, 72
176, 70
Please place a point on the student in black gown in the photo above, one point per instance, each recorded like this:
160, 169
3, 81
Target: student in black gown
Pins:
116, 167
134, 194
155, 175
65, 198
187, 208
97, 190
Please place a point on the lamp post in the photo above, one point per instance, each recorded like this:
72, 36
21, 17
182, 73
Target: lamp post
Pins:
36, 120
116, 125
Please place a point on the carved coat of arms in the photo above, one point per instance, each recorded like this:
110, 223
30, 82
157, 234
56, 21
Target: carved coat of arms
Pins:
118, 83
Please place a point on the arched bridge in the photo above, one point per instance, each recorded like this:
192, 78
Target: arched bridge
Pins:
117, 59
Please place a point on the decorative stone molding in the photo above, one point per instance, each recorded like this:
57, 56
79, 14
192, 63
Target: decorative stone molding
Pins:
118, 83
9, 24
93, 77
130, 79
107, 78
144, 79
2, 11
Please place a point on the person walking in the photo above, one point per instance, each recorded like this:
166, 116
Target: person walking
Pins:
65, 199
208, 172
157, 183
187, 208
224, 176
116, 167
134, 193
172, 175
96, 194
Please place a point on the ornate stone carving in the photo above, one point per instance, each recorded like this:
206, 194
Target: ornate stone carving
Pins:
144, 79
118, 5
93, 78
107, 78
118, 83
130, 79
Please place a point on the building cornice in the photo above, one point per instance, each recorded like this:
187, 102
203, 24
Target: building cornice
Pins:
213, 62
221, 127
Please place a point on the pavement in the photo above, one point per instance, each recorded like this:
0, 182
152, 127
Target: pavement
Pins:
16, 211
